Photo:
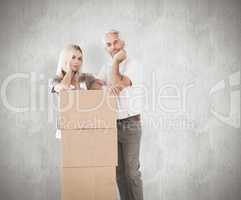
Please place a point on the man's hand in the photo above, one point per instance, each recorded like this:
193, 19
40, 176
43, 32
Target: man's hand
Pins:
117, 78
114, 90
120, 56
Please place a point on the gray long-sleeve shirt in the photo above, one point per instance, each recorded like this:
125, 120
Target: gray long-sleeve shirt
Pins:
86, 78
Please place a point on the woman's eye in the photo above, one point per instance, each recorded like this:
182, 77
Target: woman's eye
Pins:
80, 58
73, 57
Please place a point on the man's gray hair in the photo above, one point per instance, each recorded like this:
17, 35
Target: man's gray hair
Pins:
114, 31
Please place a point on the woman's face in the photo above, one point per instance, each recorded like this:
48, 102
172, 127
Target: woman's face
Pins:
75, 60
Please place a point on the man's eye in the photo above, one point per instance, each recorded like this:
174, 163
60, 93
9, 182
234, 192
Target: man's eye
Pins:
108, 44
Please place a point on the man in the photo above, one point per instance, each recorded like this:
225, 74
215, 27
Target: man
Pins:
122, 75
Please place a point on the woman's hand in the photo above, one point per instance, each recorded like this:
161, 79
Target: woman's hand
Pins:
76, 80
60, 87
67, 69
67, 79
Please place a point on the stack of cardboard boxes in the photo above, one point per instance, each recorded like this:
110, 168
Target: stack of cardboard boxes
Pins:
87, 120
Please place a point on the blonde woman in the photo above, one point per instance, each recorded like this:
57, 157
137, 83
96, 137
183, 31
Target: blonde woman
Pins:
69, 75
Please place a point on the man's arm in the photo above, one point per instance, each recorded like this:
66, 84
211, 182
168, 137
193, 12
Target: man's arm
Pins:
119, 79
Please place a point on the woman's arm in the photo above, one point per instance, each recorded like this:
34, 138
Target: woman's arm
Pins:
61, 83
53, 83
76, 81
66, 81
93, 83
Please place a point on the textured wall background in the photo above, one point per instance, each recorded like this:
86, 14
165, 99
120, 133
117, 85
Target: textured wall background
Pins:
190, 53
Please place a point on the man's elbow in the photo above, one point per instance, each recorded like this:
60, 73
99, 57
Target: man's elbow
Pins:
125, 82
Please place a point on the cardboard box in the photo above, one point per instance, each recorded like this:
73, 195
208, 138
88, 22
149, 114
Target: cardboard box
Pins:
91, 183
87, 119
89, 147
81, 109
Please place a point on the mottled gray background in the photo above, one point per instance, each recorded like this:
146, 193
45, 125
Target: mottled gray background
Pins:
189, 50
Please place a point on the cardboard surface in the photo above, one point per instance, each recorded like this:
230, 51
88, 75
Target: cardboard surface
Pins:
89, 147
87, 121
95, 183
83, 109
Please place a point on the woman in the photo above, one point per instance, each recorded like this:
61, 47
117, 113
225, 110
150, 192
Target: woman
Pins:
69, 75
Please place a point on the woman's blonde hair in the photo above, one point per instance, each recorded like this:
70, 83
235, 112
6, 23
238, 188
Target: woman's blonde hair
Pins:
65, 55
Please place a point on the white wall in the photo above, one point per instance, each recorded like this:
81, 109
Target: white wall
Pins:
185, 48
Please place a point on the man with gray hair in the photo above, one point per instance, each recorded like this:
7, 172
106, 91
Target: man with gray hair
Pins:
122, 75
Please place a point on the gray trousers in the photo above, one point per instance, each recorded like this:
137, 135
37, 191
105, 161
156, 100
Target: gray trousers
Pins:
128, 170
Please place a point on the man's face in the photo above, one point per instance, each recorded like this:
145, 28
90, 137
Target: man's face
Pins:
113, 44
